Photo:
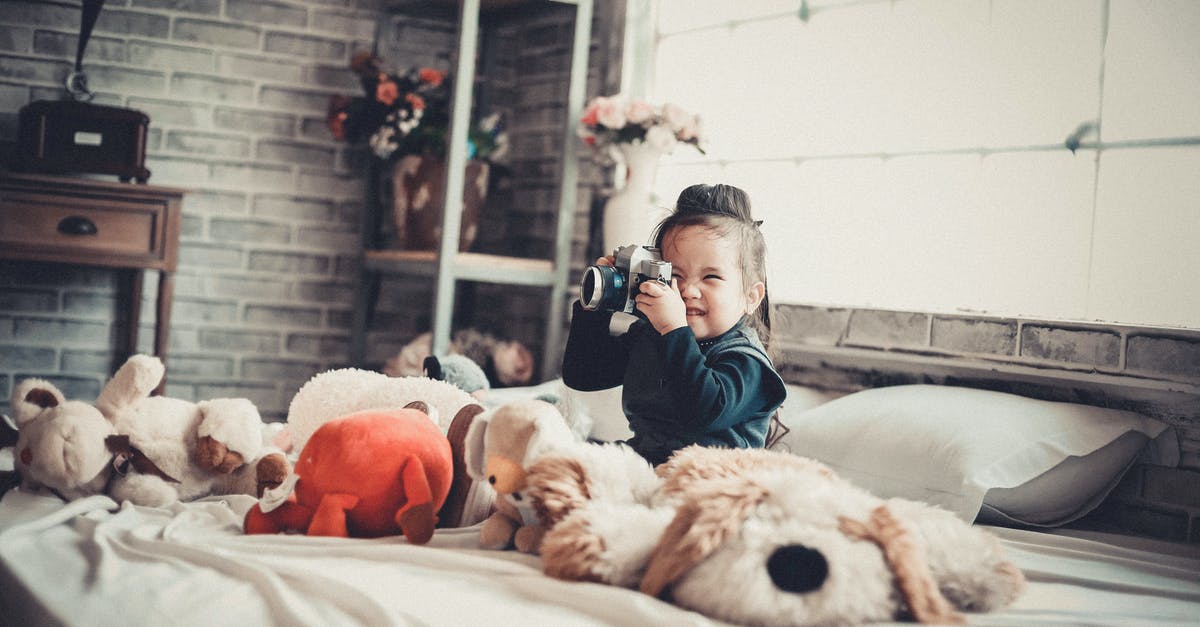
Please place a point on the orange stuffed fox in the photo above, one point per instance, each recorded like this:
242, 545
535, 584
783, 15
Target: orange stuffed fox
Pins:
371, 473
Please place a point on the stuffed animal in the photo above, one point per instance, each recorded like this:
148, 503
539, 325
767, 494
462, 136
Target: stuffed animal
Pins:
504, 442
766, 538
161, 449
60, 444
506, 363
460, 372
335, 393
168, 449
369, 474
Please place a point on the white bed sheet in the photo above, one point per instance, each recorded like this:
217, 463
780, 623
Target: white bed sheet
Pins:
93, 563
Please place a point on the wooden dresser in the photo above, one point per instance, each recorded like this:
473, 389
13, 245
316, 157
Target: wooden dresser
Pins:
82, 221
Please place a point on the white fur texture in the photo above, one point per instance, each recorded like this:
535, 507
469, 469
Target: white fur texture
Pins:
335, 393
167, 431
790, 509
236, 424
65, 446
631, 532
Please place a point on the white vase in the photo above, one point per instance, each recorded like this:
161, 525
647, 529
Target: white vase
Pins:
629, 216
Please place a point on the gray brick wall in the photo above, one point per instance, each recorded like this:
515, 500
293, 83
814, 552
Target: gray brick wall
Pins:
236, 91
1154, 371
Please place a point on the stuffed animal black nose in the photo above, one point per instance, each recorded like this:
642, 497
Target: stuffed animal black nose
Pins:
797, 568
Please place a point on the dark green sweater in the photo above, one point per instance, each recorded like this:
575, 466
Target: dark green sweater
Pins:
677, 390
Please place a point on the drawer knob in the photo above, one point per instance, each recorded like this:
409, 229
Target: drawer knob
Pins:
77, 225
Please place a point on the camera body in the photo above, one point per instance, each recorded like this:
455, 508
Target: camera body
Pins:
615, 288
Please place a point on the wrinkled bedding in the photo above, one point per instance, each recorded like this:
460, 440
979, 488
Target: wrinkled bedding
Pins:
92, 562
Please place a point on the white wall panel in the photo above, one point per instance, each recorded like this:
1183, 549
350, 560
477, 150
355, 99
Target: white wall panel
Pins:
1152, 70
1147, 246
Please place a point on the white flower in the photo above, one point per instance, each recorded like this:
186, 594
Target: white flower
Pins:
660, 137
489, 123
383, 142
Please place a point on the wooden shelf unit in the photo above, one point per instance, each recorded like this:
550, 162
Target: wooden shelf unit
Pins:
446, 266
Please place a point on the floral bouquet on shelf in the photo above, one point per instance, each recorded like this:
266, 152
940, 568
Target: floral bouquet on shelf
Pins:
407, 114
611, 123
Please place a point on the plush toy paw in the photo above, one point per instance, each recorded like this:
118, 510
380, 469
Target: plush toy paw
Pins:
604, 542
271, 471
497, 532
215, 456
417, 522
528, 539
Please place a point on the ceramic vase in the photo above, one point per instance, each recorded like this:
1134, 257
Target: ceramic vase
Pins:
417, 188
629, 216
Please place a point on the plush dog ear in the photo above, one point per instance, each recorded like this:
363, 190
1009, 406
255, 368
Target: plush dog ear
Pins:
31, 396
473, 455
701, 525
902, 551
558, 485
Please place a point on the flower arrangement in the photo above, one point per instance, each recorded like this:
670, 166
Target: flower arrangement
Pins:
407, 114
609, 121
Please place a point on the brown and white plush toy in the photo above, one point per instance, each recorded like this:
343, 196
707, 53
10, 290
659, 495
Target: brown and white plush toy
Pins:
504, 442
169, 449
147, 450
766, 538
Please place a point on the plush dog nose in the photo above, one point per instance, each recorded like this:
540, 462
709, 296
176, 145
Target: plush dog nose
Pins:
797, 568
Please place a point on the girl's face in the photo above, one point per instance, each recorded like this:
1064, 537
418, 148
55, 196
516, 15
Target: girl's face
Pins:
707, 271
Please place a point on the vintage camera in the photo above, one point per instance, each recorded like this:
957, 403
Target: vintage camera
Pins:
615, 288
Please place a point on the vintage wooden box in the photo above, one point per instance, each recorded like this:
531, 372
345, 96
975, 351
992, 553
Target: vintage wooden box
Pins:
65, 137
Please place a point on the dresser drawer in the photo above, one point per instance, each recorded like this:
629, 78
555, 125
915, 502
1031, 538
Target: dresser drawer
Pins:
92, 229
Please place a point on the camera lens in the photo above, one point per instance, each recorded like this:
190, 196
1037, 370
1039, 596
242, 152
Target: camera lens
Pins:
602, 287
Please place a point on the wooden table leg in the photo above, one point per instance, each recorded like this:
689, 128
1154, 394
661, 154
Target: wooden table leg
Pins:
132, 285
162, 321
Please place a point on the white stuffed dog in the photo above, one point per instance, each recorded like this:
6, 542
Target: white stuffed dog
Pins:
766, 538
149, 450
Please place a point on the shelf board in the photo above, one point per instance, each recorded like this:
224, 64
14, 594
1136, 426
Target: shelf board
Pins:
467, 266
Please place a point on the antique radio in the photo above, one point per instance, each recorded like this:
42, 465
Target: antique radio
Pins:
74, 136
68, 137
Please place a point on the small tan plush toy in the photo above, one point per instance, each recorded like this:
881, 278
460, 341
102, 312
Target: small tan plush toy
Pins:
504, 442
767, 538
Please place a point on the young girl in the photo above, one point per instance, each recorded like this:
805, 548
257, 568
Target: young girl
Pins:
697, 371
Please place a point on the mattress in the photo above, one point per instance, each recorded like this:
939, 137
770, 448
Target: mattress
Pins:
94, 562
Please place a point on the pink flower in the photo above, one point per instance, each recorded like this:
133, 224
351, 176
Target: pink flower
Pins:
590, 115
676, 117
610, 112
639, 112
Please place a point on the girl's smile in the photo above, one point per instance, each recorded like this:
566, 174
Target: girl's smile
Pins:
706, 270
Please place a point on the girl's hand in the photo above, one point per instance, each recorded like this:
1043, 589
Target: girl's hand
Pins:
663, 306
607, 260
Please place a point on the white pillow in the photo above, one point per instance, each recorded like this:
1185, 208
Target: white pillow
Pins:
1034, 462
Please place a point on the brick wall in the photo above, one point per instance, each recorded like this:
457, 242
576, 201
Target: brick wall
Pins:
1155, 371
236, 91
